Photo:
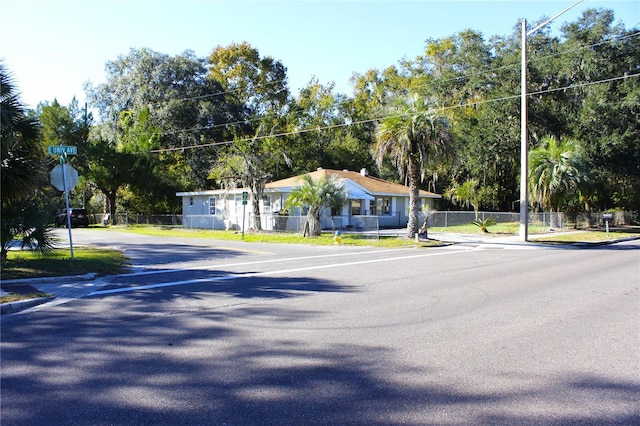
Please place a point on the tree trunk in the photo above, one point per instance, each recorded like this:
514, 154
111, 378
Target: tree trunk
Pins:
414, 199
314, 225
257, 223
553, 219
111, 206
256, 196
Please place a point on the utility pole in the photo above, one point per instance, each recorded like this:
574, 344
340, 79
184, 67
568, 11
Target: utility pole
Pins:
524, 146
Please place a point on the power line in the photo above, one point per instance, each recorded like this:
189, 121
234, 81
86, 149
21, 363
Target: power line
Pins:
578, 49
225, 92
516, 65
333, 126
489, 72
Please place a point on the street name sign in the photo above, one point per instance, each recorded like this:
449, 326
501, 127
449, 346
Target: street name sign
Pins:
63, 149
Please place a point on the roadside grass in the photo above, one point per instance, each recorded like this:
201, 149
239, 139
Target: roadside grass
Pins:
499, 229
16, 297
536, 232
326, 238
32, 264
591, 236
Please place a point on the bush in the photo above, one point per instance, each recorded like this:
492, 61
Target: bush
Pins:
483, 224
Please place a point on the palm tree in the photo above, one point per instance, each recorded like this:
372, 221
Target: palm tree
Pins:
21, 150
554, 172
22, 173
471, 194
414, 136
314, 196
466, 194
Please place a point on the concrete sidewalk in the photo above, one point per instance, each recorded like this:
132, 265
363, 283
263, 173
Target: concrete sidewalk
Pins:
60, 289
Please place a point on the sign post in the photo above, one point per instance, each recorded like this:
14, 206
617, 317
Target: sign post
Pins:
607, 217
245, 197
63, 151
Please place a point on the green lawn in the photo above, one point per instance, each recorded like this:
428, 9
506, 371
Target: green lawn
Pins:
510, 228
595, 236
536, 233
327, 238
32, 264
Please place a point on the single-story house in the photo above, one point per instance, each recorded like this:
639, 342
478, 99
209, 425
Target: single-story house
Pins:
369, 200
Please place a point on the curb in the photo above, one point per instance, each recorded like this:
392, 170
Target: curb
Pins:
14, 307
587, 244
21, 305
44, 280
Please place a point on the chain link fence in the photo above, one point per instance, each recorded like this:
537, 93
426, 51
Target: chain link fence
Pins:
444, 219
127, 219
281, 223
366, 224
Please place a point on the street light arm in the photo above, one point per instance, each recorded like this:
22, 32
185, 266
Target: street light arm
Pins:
554, 17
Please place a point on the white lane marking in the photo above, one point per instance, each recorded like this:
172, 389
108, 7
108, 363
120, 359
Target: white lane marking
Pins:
254, 262
258, 274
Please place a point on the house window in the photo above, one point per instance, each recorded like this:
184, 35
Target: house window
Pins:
382, 206
266, 203
212, 205
355, 207
238, 205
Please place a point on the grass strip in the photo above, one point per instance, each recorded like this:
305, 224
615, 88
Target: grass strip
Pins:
16, 297
590, 236
326, 238
32, 264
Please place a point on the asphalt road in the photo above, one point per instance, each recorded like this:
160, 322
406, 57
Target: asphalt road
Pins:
217, 333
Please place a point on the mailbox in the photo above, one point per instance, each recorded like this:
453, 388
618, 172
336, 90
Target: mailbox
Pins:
607, 217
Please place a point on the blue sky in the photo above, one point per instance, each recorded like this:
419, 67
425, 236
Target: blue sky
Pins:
53, 46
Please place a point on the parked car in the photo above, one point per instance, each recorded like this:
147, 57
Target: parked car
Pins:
79, 217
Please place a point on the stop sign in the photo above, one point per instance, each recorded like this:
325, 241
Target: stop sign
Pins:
70, 175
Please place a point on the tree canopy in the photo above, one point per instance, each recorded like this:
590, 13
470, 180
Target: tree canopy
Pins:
181, 123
